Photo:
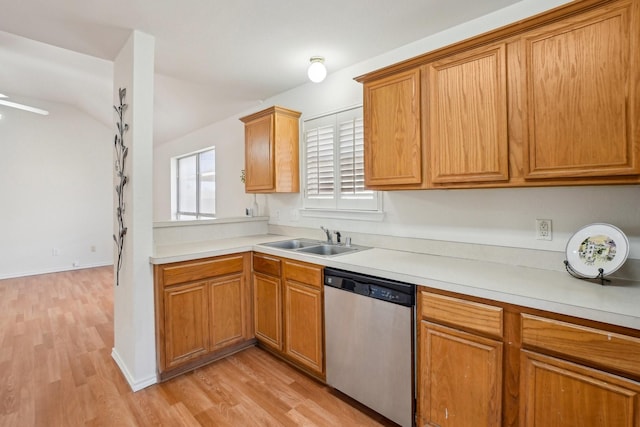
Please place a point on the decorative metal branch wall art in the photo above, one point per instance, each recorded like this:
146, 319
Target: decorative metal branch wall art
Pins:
121, 156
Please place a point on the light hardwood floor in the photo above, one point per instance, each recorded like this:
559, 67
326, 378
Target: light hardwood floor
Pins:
56, 370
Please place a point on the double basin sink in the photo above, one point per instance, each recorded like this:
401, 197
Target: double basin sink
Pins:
314, 247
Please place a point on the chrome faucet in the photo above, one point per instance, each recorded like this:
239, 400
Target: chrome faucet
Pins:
328, 233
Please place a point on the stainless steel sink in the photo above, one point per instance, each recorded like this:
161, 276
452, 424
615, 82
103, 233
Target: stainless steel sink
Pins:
328, 250
314, 247
292, 244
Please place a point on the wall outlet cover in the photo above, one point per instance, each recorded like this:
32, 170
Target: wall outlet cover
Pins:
543, 229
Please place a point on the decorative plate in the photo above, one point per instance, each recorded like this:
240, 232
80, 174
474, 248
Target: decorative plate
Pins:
597, 246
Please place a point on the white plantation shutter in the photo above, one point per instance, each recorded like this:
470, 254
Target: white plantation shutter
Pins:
334, 168
351, 157
320, 166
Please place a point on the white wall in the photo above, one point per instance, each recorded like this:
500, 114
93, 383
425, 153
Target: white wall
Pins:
228, 139
133, 313
502, 217
55, 191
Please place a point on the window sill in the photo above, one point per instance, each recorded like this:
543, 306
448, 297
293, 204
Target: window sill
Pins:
194, 222
373, 216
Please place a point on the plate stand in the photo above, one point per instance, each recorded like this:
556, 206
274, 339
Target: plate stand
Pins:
599, 277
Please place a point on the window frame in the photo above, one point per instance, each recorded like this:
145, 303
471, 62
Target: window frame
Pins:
337, 203
189, 215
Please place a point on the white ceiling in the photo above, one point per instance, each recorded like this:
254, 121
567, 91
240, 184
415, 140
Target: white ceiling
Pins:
213, 58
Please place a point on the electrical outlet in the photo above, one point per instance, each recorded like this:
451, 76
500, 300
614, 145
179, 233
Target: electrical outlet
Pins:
55, 251
543, 229
294, 215
93, 248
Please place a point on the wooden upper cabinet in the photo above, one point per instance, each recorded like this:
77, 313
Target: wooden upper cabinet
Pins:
271, 151
550, 100
582, 95
259, 155
393, 147
466, 106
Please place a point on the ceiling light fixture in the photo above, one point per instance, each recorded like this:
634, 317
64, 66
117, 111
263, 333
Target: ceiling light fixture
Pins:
317, 71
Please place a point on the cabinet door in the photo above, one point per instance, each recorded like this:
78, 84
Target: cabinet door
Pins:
460, 382
467, 113
287, 159
186, 322
583, 94
267, 294
555, 393
259, 154
228, 311
303, 325
392, 139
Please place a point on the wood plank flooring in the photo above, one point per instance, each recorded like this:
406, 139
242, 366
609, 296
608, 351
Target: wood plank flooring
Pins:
56, 336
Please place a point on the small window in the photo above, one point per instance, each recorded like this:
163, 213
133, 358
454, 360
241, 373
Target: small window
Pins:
334, 163
196, 185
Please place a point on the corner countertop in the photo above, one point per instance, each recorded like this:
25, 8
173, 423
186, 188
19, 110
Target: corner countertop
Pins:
617, 303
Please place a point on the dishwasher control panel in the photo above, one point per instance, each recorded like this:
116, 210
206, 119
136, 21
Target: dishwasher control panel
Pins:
370, 286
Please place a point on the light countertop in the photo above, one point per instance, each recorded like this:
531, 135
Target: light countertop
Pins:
616, 303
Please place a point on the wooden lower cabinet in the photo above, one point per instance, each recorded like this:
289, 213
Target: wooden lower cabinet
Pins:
304, 325
460, 366
202, 311
267, 294
186, 323
486, 363
228, 311
557, 393
460, 370
288, 310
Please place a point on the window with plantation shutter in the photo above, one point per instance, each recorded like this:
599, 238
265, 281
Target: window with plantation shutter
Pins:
334, 163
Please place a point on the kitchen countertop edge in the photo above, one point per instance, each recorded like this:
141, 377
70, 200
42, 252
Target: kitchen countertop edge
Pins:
614, 303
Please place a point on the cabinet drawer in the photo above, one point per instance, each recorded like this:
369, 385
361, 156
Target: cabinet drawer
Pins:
266, 264
458, 312
303, 273
197, 270
608, 349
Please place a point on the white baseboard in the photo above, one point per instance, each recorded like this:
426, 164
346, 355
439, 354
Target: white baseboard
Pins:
136, 385
54, 270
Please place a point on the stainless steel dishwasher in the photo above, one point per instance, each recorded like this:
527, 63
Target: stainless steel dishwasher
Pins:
369, 330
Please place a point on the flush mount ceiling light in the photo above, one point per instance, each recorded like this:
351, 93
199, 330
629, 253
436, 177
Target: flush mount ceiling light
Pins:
21, 106
317, 71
